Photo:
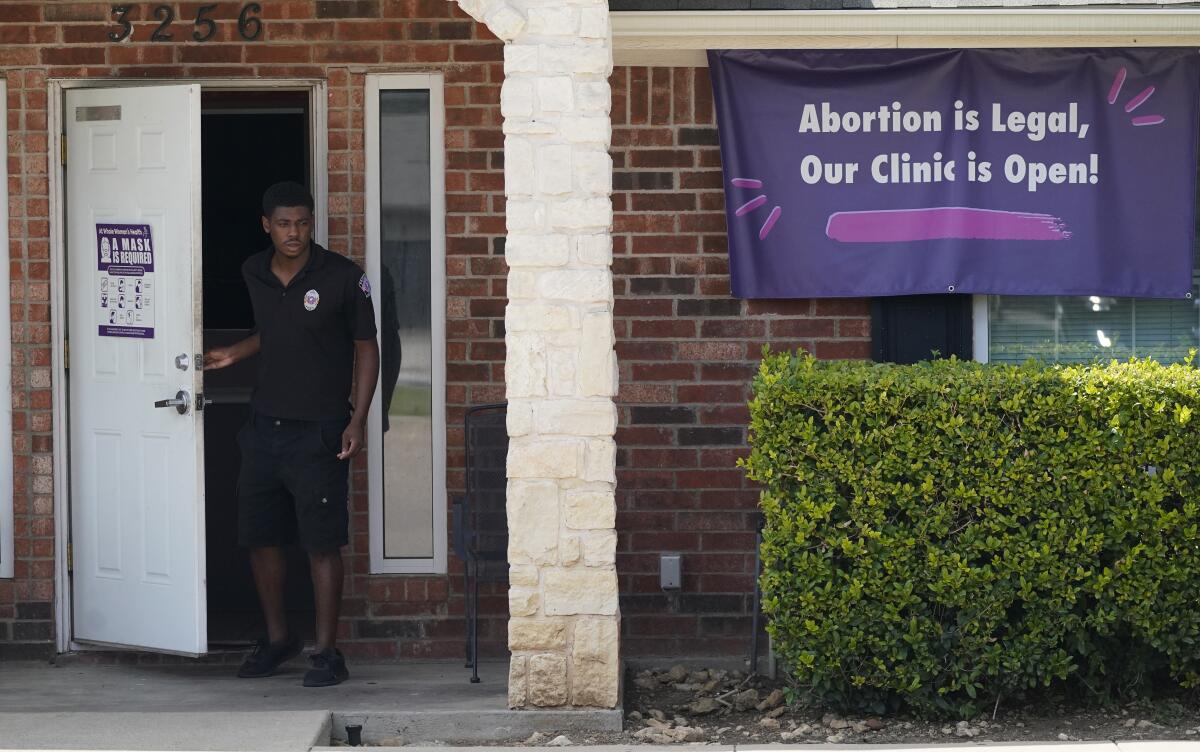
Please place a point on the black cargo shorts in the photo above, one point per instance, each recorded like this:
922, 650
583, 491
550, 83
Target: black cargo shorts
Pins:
292, 486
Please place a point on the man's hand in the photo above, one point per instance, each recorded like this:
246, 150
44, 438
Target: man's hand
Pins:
223, 357
220, 357
352, 440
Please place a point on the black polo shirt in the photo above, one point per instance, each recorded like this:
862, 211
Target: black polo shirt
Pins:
308, 331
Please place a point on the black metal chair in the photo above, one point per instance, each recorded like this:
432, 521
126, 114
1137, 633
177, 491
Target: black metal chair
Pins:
480, 519
756, 607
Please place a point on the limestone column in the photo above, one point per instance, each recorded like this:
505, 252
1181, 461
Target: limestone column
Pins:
560, 367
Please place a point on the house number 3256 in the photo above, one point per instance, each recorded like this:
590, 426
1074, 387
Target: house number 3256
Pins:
249, 25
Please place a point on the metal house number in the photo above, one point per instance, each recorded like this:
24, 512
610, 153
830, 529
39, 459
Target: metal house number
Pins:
249, 25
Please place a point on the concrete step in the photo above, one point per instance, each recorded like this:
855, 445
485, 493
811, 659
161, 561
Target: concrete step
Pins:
475, 727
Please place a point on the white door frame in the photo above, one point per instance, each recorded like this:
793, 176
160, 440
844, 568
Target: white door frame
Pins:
56, 89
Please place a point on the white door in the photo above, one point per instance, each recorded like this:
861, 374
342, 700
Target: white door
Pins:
137, 470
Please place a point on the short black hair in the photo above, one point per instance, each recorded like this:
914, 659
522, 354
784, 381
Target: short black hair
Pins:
286, 193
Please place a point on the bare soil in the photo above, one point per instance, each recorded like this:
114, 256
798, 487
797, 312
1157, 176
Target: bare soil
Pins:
676, 705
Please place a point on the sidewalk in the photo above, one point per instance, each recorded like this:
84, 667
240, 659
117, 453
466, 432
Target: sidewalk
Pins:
203, 708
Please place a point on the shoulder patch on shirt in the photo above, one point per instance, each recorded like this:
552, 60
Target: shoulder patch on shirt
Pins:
364, 284
311, 299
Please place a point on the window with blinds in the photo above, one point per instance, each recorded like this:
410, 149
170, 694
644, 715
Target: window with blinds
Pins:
1084, 329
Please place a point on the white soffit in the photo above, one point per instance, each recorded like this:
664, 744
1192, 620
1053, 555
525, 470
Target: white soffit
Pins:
680, 38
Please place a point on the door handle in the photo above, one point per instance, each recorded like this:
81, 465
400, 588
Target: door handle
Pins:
182, 402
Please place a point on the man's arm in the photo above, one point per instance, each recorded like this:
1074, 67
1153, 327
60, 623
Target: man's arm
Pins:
223, 357
366, 375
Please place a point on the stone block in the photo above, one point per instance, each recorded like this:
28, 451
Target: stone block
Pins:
576, 285
536, 634
505, 22
593, 96
532, 507
536, 250
569, 550
525, 369
553, 21
518, 166
588, 58
522, 576
523, 216
517, 681
561, 381
529, 458
519, 419
594, 684
520, 58
600, 460
595, 250
585, 129
520, 316
589, 510
579, 591
547, 680
555, 94
593, 23
593, 172
516, 97
522, 284
596, 640
523, 602
597, 359
581, 214
576, 417
554, 169
599, 547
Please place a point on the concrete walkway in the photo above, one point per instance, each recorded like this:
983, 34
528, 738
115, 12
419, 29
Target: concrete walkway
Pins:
294, 731
205, 707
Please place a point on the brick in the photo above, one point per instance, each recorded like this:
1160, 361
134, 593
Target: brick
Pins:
661, 415
347, 9
60, 11
709, 307
71, 55
793, 328
846, 350
698, 137
624, 180
662, 286
20, 12
710, 436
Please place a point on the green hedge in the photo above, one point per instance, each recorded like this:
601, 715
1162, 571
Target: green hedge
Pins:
947, 534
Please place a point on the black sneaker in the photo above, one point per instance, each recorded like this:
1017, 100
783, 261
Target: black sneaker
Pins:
268, 656
328, 669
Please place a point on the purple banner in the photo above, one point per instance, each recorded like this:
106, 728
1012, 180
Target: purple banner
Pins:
1021, 172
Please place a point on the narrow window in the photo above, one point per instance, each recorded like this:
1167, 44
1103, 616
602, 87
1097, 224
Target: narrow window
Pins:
6, 469
406, 266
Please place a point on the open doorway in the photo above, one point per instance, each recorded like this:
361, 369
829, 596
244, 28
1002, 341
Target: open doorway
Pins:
250, 139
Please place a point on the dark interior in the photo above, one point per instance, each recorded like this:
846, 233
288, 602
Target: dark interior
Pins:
913, 328
249, 140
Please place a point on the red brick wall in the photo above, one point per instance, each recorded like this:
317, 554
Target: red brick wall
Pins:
687, 349
335, 40
687, 352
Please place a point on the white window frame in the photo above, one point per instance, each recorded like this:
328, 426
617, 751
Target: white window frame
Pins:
7, 565
433, 83
979, 324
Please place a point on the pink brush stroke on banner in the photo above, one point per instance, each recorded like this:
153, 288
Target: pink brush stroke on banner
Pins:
942, 223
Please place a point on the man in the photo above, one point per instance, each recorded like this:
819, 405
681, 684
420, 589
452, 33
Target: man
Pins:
315, 330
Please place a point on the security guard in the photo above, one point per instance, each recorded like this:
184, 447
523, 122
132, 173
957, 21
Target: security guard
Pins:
315, 336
